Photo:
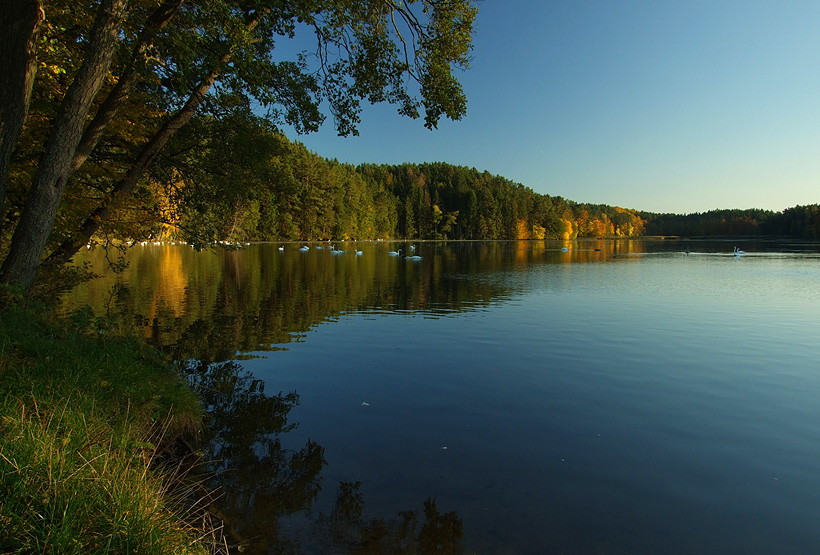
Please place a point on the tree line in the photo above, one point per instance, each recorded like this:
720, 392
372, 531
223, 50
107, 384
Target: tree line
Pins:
247, 182
802, 222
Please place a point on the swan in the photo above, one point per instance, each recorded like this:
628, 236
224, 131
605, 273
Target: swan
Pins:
304, 249
412, 247
281, 248
394, 253
358, 253
739, 252
565, 249
415, 257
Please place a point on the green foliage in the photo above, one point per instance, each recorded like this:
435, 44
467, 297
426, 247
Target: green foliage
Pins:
84, 320
799, 221
275, 189
237, 179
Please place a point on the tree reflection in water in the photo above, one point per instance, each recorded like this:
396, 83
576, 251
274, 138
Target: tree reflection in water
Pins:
257, 481
350, 533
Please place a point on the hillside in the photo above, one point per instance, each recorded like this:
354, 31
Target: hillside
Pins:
249, 183
237, 178
271, 188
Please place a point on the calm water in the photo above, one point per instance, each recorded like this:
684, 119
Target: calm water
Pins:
494, 398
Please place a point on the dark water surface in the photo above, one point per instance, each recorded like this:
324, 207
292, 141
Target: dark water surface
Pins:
621, 397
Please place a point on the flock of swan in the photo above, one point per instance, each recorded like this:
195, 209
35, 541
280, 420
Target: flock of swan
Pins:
334, 250
398, 253
737, 252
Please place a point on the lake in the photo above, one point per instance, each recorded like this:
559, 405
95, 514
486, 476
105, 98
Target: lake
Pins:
619, 397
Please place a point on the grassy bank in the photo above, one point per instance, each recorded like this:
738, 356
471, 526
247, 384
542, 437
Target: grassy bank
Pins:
81, 421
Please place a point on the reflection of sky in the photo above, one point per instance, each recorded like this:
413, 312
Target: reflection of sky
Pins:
633, 392
668, 401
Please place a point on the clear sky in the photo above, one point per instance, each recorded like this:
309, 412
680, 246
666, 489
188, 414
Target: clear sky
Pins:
665, 106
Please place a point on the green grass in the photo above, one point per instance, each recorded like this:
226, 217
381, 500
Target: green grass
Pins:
81, 420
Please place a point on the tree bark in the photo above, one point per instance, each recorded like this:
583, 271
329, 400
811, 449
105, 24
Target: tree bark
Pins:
43, 200
19, 28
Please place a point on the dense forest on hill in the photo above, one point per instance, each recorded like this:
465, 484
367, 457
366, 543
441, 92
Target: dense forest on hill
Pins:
246, 182
250, 183
236, 178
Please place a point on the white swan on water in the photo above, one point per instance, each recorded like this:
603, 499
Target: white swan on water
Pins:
304, 249
394, 253
739, 252
415, 257
281, 248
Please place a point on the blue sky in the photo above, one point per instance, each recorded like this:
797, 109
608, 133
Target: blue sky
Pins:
663, 106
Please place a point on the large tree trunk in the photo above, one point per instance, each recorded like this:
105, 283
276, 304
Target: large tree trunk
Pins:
37, 219
19, 27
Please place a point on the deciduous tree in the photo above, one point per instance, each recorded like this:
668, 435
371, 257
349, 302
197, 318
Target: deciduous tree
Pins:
182, 54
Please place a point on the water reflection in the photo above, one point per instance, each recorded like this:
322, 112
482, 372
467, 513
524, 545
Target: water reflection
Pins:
616, 349
211, 305
256, 481
439, 533
209, 308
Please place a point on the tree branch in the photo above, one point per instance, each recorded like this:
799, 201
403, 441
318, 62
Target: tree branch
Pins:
150, 150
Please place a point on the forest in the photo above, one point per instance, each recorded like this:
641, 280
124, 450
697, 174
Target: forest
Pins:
93, 92
247, 182
236, 178
801, 222
270, 188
